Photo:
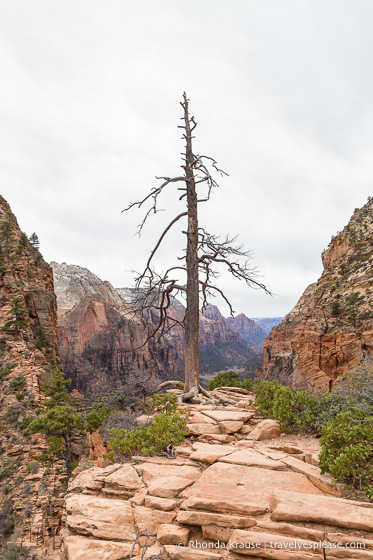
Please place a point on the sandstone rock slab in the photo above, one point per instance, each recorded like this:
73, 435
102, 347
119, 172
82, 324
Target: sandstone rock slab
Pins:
266, 429
206, 518
231, 426
151, 471
272, 545
176, 553
87, 480
238, 489
199, 418
210, 453
324, 482
168, 487
100, 517
151, 519
165, 504
293, 506
230, 415
80, 548
205, 428
250, 458
124, 481
172, 534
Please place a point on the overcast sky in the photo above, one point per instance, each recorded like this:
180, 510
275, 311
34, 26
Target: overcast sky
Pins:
283, 94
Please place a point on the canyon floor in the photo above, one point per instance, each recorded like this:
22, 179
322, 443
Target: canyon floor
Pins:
237, 487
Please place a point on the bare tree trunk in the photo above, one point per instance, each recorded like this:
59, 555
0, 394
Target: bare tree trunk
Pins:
191, 352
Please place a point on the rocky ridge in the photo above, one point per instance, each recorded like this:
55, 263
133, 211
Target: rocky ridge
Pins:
30, 499
330, 330
236, 488
248, 329
101, 342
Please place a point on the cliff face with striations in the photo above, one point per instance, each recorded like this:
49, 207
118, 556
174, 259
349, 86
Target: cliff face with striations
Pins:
247, 329
100, 339
330, 330
28, 355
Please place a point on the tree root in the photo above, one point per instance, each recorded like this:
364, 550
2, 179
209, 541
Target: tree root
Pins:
166, 383
192, 395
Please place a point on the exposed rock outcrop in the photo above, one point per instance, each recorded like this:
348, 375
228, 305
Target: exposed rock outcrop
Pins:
330, 330
28, 355
259, 497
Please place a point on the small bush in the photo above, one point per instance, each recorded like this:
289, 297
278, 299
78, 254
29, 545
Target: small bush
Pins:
17, 382
97, 416
41, 341
33, 467
168, 427
7, 370
297, 411
12, 414
120, 419
347, 449
12, 551
225, 379
26, 488
6, 520
247, 384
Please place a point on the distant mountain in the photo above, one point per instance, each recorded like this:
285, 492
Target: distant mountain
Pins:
101, 342
267, 323
248, 329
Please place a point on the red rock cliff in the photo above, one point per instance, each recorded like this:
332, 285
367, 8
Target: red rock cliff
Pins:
100, 339
28, 354
330, 330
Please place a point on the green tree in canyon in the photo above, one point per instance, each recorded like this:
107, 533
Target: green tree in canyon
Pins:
59, 420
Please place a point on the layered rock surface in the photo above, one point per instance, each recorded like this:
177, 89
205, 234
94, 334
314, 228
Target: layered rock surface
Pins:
253, 492
330, 330
30, 498
101, 341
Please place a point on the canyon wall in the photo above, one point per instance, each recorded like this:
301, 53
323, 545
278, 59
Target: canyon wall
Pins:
330, 330
102, 343
30, 498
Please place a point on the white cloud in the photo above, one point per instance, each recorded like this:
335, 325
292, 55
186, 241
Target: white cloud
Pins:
90, 102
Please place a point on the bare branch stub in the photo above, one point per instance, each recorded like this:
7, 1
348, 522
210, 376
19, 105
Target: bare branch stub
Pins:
205, 255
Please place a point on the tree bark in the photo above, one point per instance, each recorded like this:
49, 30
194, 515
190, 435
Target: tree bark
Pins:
191, 352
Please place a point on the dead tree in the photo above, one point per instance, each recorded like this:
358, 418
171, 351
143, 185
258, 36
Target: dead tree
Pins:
195, 275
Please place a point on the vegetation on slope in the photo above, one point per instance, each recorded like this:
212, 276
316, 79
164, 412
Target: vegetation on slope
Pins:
343, 419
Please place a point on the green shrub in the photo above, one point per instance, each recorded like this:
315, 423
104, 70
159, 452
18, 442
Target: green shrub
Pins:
17, 316
297, 411
17, 382
247, 384
41, 341
168, 427
225, 379
12, 551
12, 414
33, 467
7, 370
6, 520
347, 449
97, 416
7, 468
